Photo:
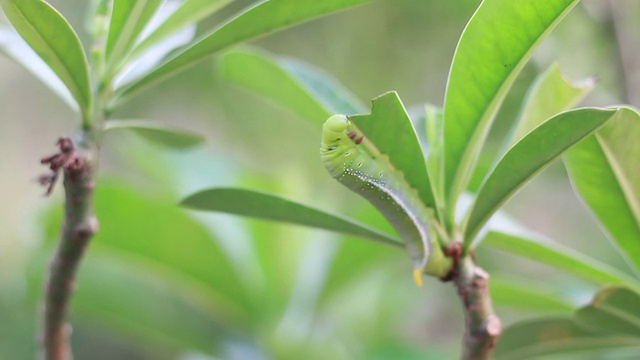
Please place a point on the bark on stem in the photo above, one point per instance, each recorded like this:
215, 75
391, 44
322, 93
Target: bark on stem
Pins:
80, 224
482, 325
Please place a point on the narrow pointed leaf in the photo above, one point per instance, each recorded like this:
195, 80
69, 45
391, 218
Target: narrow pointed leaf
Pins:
615, 310
528, 157
604, 170
328, 90
497, 42
265, 76
162, 134
533, 339
550, 94
264, 18
559, 257
391, 130
128, 18
270, 207
190, 12
52, 38
12, 45
434, 120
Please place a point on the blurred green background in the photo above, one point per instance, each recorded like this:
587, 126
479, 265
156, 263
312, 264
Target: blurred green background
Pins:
160, 282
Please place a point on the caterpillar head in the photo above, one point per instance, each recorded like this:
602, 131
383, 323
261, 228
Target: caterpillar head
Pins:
334, 129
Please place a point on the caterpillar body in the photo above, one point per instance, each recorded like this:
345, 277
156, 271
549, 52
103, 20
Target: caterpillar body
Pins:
372, 176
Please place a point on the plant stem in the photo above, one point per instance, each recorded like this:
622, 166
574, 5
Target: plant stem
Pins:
80, 225
482, 325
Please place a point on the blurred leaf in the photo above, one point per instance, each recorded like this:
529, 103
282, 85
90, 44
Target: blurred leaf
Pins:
52, 38
128, 18
307, 91
528, 157
162, 134
604, 171
131, 298
265, 76
550, 94
159, 234
292, 84
532, 339
614, 310
389, 127
526, 296
324, 87
169, 268
495, 45
559, 257
190, 12
15, 47
259, 20
264, 206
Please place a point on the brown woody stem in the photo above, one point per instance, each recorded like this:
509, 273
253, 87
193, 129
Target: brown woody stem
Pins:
482, 325
80, 224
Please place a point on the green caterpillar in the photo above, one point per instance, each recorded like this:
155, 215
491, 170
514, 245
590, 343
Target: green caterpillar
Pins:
343, 154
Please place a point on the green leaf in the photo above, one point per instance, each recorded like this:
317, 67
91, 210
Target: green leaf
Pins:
264, 18
128, 18
528, 157
559, 257
604, 171
12, 45
265, 76
527, 296
169, 266
190, 12
495, 45
391, 130
434, 120
306, 91
160, 235
614, 310
270, 207
550, 94
325, 88
52, 38
160, 313
532, 339
161, 134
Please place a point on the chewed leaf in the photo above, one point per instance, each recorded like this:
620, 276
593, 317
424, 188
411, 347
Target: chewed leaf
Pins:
391, 130
355, 163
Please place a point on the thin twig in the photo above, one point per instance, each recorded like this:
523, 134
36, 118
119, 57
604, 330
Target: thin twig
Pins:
80, 224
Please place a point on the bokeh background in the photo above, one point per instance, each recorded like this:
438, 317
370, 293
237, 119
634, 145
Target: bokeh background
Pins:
161, 282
